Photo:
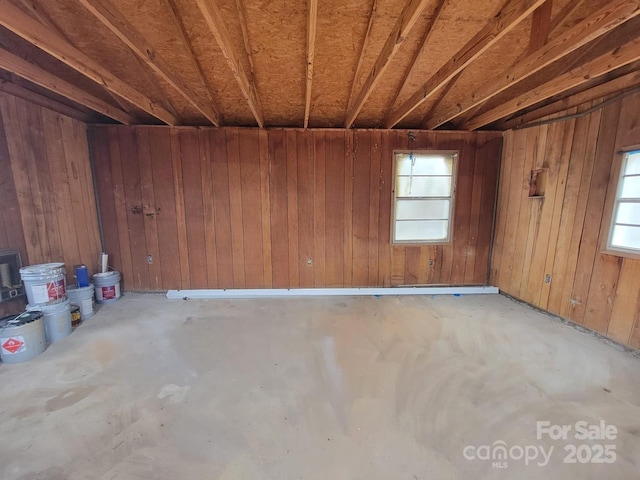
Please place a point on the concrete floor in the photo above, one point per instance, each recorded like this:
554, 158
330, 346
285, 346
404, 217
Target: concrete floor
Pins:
323, 388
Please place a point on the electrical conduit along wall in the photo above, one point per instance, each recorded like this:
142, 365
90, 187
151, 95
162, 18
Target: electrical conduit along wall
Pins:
190, 208
547, 250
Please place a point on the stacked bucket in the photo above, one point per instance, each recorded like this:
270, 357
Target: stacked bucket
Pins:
53, 310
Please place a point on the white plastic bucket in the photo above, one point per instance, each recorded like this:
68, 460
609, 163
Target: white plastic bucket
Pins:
21, 337
45, 284
83, 297
57, 320
107, 286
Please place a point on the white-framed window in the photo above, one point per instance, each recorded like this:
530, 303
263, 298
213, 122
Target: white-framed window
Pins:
423, 196
624, 232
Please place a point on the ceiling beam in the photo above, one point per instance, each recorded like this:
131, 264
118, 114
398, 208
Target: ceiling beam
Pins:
365, 42
109, 15
566, 11
407, 19
311, 46
42, 37
41, 100
593, 27
214, 20
621, 53
622, 84
184, 37
512, 13
540, 25
441, 94
41, 77
428, 31
242, 18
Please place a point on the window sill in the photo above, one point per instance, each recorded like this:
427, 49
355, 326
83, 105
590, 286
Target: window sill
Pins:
621, 253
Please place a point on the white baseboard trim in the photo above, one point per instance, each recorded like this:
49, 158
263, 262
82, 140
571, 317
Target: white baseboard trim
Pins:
325, 292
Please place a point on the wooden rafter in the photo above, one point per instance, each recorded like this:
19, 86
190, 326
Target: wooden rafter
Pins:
34, 7
214, 20
620, 54
184, 37
428, 31
311, 46
622, 84
109, 15
242, 18
46, 102
47, 40
595, 26
407, 19
41, 77
363, 48
513, 12
540, 25
568, 10
441, 95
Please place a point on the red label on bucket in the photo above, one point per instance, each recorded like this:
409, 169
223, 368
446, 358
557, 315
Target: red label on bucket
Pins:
56, 290
109, 293
12, 345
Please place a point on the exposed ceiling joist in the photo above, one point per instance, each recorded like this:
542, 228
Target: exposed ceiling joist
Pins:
36, 10
242, 18
41, 77
425, 38
184, 37
42, 37
593, 27
568, 10
311, 46
109, 15
621, 54
365, 43
407, 19
441, 95
622, 84
540, 25
246, 82
513, 12
46, 102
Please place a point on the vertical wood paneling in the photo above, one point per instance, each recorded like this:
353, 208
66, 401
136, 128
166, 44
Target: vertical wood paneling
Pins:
46, 193
306, 201
279, 210
251, 208
564, 235
235, 204
164, 206
222, 208
288, 208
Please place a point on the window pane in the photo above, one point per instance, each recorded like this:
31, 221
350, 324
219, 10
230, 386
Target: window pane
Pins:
628, 213
423, 187
633, 164
422, 209
626, 237
630, 187
421, 230
424, 165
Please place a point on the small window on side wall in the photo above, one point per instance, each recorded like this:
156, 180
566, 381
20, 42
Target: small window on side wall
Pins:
423, 197
624, 232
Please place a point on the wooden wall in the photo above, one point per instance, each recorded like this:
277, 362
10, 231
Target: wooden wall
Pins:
246, 208
561, 234
47, 201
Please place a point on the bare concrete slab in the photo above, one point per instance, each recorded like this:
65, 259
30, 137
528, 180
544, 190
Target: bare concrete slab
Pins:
323, 388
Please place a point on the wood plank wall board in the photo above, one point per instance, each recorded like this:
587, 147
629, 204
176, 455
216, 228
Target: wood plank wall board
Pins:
250, 208
564, 238
319, 218
46, 189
